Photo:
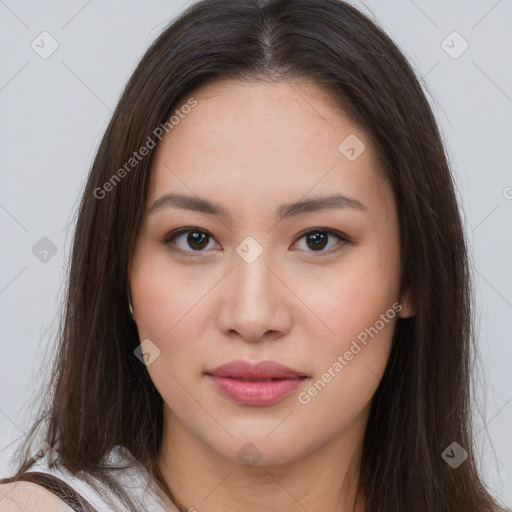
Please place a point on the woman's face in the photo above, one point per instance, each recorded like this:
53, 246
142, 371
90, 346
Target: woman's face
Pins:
248, 282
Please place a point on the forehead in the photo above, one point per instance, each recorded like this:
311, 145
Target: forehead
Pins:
266, 142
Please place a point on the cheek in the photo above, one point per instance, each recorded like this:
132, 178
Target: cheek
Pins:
167, 304
165, 297
352, 296
350, 361
355, 319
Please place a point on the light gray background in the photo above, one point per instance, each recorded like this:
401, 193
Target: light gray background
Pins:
53, 112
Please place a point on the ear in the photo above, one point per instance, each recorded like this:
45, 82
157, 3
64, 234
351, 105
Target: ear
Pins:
407, 303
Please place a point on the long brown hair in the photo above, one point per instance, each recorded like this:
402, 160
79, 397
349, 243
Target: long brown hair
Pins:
101, 394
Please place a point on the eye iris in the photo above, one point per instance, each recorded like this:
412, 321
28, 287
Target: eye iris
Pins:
195, 238
319, 240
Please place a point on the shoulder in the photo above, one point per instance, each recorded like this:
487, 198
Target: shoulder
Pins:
29, 497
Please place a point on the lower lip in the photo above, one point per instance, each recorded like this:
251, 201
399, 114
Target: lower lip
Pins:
254, 392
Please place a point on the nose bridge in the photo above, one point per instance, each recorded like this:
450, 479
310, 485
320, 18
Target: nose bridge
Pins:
252, 276
255, 300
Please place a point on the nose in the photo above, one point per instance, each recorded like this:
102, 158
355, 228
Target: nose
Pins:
256, 302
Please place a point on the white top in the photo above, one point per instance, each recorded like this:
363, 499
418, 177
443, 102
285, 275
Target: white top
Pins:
135, 481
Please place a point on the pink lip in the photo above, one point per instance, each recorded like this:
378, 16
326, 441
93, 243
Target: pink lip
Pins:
246, 383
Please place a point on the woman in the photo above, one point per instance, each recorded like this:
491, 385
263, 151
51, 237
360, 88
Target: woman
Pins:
269, 302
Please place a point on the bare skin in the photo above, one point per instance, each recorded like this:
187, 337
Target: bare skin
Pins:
252, 147
29, 497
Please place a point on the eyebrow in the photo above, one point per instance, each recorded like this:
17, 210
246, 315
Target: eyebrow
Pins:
197, 204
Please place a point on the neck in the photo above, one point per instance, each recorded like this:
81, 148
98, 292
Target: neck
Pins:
201, 479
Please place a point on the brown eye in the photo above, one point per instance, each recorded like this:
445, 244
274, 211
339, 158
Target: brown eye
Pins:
194, 240
318, 239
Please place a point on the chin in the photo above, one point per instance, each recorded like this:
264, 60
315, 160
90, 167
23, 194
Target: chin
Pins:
258, 448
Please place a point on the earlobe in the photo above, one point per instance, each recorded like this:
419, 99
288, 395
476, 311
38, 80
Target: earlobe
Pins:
407, 303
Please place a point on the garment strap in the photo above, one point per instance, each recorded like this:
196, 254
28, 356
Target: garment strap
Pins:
60, 488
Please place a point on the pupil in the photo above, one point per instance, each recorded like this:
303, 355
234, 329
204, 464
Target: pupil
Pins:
318, 240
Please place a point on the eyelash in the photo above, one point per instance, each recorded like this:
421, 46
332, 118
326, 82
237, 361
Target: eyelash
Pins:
169, 238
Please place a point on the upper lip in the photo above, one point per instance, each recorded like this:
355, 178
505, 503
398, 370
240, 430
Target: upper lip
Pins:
263, 370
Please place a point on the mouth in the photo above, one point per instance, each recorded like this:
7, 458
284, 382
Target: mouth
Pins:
252, 380
262, 371
260, 384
